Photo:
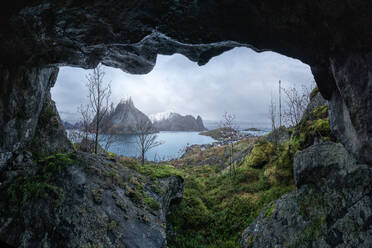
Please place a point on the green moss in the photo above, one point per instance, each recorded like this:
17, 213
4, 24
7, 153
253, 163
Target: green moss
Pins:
23, 190
34, 187
321, 125
260, 155
155, 171
152, 203
314, 92
270, 210
111, 155
314, 230
320, 112
135, 194
54, 164
156, 188
216, 208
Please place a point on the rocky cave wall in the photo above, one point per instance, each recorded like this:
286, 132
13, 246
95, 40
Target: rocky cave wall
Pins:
37, 36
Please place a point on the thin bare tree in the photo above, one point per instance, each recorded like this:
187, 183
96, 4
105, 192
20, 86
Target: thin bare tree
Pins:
109, 136
146, 138
99, 99
272, 112
297, 100
273, 119
86, 121
229, 133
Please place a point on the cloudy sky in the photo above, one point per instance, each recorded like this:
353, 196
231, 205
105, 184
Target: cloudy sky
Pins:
239, 81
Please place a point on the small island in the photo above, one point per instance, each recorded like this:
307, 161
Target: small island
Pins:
252, 129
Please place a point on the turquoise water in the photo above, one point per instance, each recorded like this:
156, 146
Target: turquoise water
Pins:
172, 147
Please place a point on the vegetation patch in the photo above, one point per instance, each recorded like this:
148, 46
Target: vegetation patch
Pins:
314, 230
34, 187
152, 203
314, 92
156, 171
270, 210
260, 154
217, 206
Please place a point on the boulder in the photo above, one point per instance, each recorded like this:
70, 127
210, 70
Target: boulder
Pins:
332, 206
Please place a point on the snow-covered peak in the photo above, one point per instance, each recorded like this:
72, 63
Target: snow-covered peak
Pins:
160, 116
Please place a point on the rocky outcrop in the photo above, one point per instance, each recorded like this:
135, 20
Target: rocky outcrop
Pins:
124, 118
315, 101
278, 135
332, 206
22, 94
177, 122
84, 200
50, 136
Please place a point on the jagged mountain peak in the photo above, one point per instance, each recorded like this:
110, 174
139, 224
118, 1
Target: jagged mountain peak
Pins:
171, 121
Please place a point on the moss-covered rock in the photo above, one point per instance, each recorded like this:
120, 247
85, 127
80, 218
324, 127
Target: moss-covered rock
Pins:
323, 211
86, 199
260, 155
50, 136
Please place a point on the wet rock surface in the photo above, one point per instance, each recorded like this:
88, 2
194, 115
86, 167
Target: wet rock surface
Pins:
94, 201
332, 206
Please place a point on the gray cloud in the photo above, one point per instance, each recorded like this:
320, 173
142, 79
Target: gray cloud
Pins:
239, 81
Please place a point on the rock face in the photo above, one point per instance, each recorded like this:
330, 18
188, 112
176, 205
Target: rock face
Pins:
50, 135
177, 122
37, 36
332, 206
91, 202
22, 94
315, 101
124, 119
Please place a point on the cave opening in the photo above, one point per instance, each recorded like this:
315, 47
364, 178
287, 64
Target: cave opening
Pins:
240, 81
332, 179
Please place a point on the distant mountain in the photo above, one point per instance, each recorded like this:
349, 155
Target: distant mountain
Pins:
124, 118
68, 125
169, 121
160, 116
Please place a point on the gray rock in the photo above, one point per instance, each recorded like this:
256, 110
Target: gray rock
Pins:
124, 118
332, 206
317, 162
315, 101
22, 94
50, 136
94, 204
278, 135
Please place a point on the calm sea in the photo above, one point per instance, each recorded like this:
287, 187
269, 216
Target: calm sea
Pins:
173, 144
